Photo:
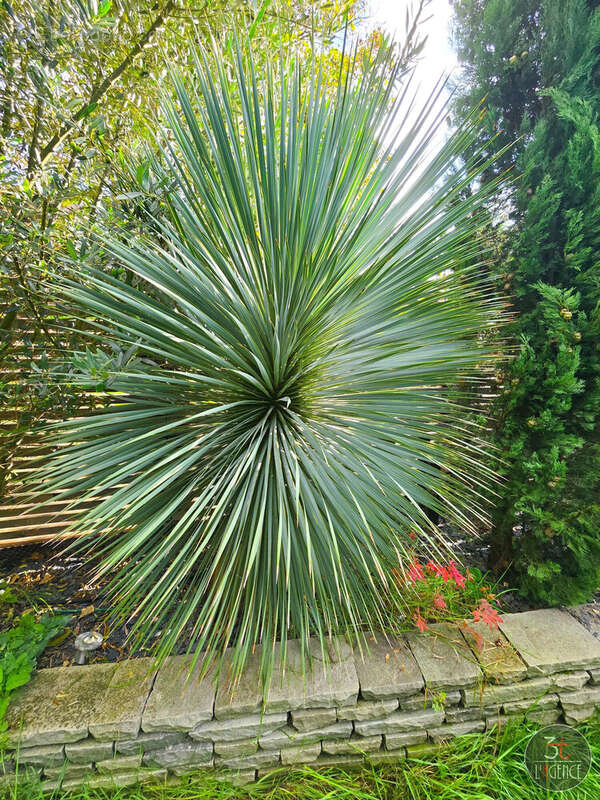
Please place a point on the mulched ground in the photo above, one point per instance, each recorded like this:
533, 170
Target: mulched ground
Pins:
43, 578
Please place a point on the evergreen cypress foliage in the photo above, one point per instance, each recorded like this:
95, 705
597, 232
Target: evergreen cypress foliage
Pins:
540, 64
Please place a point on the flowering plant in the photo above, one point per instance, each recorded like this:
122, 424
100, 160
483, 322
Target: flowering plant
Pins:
436, 592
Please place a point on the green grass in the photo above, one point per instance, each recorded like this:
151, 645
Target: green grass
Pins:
488, 767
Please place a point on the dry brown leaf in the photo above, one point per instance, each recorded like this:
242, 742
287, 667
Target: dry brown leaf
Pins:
85, 612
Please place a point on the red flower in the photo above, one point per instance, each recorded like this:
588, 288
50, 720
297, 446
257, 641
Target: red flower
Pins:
458, 578
415, 571
412, 535
446, 574
438, 601
439, 570
419, 621
487, 613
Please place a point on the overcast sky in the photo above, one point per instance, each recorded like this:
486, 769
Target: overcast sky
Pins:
438, 57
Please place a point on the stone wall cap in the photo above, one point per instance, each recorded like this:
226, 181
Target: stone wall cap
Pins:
551, 640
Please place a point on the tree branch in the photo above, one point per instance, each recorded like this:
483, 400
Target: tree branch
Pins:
103, 87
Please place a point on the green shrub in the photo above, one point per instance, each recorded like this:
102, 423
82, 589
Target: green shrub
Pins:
540, 64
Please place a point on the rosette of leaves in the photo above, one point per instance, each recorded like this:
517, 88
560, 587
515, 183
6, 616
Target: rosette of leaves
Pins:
298, 322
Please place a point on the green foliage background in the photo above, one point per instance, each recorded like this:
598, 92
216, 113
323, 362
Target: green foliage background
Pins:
78, 83
538, 66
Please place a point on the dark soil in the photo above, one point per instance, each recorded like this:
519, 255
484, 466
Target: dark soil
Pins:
45, 578
589, 616
42, 577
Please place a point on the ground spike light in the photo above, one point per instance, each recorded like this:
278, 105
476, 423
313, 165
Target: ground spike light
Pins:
85, 644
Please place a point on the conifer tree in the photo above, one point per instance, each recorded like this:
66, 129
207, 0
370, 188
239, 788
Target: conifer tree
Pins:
539, 64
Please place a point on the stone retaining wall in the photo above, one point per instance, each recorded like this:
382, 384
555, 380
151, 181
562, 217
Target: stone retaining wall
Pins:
119, 724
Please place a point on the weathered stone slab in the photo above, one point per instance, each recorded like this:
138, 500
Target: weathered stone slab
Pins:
594, 676
289, 736
341, 761
430, 699
589, 696
388, 756
315, 685
577, 715
262, 758
118, 714
395, 741
187, 769
368, 709
239, 696
188, 754
69, 772
387, 670
119, 764
551, 640
541, 704
467, 714
356, 744
444, 733
400, 721
46, 755
119, 780
497, 721
335, 650
179, 700
239, 777
300, 754
547, 717
444, 659
496, 695
451, 698
569, 681
25, 774
147, 742
88, 750
313, 718
497, 657
54, 707
230, 730
244, 747
46, 786
421, 750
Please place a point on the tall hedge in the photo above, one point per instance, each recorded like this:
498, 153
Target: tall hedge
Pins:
538, 67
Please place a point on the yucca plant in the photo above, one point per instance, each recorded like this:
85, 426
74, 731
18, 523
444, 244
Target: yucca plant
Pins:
298, 316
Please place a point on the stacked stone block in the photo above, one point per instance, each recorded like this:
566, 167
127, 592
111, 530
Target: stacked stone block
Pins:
119, 724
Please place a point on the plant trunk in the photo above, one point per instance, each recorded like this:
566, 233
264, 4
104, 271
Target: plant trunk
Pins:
501, 550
